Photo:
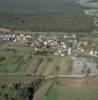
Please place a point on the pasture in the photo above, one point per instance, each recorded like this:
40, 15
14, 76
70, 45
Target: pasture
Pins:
67, 93
73, 89
14, 60
8, 93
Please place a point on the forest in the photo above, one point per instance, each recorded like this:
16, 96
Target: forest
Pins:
44, 16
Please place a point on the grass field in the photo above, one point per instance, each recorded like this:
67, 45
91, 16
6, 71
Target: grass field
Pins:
70, 89
14, 60
74, 89
6, 93
67, 93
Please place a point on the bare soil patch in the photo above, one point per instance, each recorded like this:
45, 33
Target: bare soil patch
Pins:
86, 82
90, 5
5, 30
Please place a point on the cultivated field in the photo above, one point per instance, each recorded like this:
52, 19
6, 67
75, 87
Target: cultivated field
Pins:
67, 93
14, 59
73, 89
18, 65
21, 60
48, 65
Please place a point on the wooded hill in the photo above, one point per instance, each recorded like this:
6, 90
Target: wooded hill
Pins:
44, 15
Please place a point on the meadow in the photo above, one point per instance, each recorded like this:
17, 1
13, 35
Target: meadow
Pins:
73, 89
68, 89
14, 60
59, 92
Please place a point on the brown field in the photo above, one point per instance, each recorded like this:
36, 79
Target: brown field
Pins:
64, 64
46, 67
50, 66
90, 5
87, 82
42, 67
32, 67
5, 30
16, 78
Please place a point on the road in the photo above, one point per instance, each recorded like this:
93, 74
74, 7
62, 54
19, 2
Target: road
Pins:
16, 77
69, 76
42, 91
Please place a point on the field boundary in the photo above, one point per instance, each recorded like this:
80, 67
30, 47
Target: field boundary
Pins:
70, 76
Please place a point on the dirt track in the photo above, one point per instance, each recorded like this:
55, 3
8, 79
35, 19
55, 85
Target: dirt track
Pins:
42, 91
9, 78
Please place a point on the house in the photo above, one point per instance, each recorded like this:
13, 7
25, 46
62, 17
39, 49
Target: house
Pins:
65, 36
69, 50
62, 54
91, 52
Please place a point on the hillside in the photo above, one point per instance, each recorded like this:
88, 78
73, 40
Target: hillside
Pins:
44, 15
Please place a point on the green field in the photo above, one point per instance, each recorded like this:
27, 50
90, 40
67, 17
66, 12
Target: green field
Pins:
8, 93
58, 92
14, 60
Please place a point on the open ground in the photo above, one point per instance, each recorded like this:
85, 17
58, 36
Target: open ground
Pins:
90, 5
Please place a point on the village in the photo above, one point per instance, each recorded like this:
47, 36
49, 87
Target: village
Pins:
59, 45
63, 45
48, 49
